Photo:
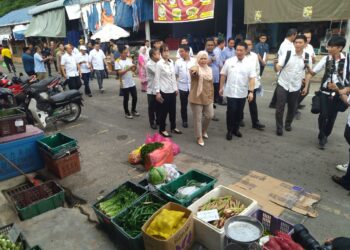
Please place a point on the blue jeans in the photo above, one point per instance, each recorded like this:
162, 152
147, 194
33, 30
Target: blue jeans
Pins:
99, 76
86, 78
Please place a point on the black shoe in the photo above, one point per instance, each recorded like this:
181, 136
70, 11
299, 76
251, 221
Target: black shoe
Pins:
259, 126
322, 143
214, 106
215, 119
301, 106
185, 124
288, 127
279, 132
223, 103
154, 126
272, 106
242, 124
229, 136
238, 134
89, 95
338, 180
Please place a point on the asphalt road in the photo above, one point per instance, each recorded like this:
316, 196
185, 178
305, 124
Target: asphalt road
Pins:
106, 137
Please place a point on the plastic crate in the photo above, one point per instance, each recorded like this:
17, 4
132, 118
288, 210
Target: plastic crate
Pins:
36, 248
38, 200
12, 230
58, 144
271, 223
169, 190
23, 152
104, 220
130, 242
64, 166
209, 235
12, 121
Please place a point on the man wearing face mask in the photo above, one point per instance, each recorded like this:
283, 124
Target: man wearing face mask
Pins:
333, 80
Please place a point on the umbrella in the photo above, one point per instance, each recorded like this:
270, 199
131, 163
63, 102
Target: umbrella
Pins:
110, 31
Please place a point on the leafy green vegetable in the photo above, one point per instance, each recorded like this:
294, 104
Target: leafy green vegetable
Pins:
122, 198
148, 148
136, 216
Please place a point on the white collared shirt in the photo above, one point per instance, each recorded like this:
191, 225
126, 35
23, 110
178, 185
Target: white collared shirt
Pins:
70, 64
165, 80
178, 53
182, 71
253, 57
96, 59
292, 74
310, 50
335, 78
151, 72
238, 74
84, 63
123, 65
285, 46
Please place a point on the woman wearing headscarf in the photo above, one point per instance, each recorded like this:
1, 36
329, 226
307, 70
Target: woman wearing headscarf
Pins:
142, 60
201, 96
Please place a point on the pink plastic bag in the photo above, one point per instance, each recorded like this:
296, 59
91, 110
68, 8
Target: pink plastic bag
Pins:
159, 138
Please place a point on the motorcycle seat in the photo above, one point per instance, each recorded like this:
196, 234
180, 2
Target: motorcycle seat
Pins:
66, 95
41, 86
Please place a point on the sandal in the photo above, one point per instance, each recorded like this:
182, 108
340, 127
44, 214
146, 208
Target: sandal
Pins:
176, 131
165, 134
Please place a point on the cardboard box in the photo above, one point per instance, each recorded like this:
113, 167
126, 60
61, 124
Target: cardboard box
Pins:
183, 239
275, 195
209, 235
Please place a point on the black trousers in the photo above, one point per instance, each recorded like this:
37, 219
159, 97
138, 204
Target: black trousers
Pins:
133, 92
302, 97
152, 109
346, 178
235, 107
261, 69
48, 65
274, 97
9, 64
184, 104
74, 82
217, 97
327, 116
167, 107
283, 97
86, 78
253, 109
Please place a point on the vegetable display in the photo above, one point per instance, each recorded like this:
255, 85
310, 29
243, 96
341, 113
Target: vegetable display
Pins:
166, 223
122, 198
157, 175
148, 148
227, 207
6, 244
134, 218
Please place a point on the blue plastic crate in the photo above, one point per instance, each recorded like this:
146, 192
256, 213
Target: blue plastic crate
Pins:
23, 152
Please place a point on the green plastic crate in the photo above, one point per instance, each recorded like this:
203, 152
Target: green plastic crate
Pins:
122, 237
38, 200
58, 144
104, 220
169, 190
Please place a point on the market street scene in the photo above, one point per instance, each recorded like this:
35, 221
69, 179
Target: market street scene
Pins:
174, 124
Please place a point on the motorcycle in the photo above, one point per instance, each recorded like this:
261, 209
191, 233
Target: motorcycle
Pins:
43, 105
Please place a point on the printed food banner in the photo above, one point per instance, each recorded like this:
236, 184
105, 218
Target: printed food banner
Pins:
177, 11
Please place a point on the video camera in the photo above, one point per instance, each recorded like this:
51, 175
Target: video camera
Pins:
302, 236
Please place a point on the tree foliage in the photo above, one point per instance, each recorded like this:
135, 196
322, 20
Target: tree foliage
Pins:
7, 6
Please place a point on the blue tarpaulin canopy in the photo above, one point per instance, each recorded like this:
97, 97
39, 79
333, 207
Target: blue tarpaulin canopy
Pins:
15, 17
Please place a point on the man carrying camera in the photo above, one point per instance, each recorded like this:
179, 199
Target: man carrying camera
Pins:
333, 79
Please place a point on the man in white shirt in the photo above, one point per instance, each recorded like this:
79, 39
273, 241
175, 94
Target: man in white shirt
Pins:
312, 59
236, 82
334, 78
286, 45
97, 60
184, 41
70, 68
85, 69
154, 56
182, 72
253, 107
124, 67
289, 83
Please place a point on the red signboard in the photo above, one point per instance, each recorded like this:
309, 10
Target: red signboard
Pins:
178, 11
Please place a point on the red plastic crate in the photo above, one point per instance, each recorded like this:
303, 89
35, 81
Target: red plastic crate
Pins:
64, 166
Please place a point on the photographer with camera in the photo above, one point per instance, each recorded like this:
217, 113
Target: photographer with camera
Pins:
333, 79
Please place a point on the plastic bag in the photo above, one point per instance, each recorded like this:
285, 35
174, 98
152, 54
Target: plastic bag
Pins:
160, 156
135, 156
158, 138
171, 171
